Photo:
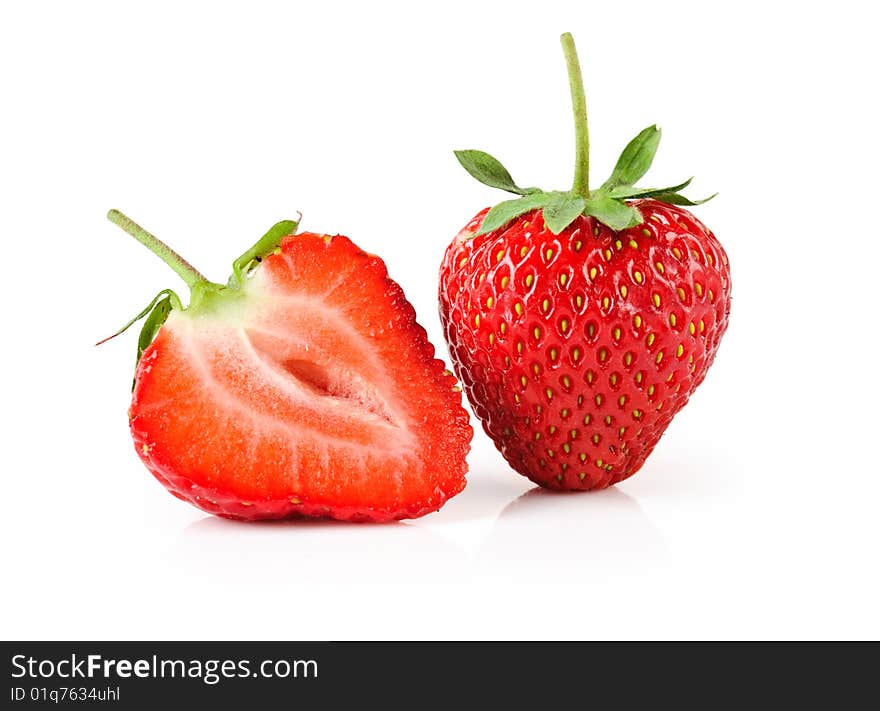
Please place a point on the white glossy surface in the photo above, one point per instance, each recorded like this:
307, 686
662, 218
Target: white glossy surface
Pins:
756, 515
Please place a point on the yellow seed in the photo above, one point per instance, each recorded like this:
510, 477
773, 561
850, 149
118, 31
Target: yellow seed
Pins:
482, 277
563, 279
593, 272
637, 321
623, 290
692, 328
506, 361
576, 354
536, 369
677, 252
607, 419
596, 439
679, 352
518, 307
566, 448
638, 276
659, 358
477, 320
646, 232
698, 288
553, 354
564, 325
516, 398
462, 262
670, 377
549, 254
681, 294
618, 244
552, 430
659, 266
617, 334
545, 305
596, 230
537, 333
651, 389
573, 434
505, 280
588, 419
523, 251
503, 327
579, 301
613, 379
672, 320
621, 432
637, 414
628, 359
711, 296
633, 244
489, 302
656, 299
519, 347
564, 413
523, 381
491, 338
608, 255
710, 259
577, 246
591, 330
530, 279
606, 303
650, 339
600, 463
702, 326
295, 502
590, 376
500, 255
549, 393
639, 376
603, 354
582, 456
621, 400
537, 436
599, 400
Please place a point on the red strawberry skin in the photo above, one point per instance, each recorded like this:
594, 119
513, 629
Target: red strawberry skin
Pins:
315, 393
576, 350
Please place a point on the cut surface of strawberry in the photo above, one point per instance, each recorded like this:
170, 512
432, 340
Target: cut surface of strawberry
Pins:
304, 387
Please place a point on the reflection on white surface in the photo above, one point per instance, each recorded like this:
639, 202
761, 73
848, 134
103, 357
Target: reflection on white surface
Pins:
545, 535
539, 536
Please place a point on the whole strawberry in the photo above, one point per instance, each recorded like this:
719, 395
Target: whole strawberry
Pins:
301, 387
581, 322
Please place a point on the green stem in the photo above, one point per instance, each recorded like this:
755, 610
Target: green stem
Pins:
183, 268
581, 185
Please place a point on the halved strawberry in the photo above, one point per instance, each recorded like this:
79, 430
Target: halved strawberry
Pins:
302, 387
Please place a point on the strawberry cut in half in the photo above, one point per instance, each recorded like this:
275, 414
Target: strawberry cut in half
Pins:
580, 322
302, 387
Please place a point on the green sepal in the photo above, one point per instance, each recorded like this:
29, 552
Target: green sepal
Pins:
267, 244
174, 302
635, 160
676, 199
614, 213
489, 171
505, 211
152, 324
629, 191
561, 210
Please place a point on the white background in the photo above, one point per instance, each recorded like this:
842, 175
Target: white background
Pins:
755, 517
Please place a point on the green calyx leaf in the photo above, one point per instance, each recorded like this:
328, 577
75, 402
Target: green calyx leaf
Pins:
267, 244
506, 211
617, 214
561, 210
489, 171
635, 160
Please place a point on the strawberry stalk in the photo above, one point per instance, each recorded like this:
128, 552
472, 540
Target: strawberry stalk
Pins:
186, 271
608, 203
202, 291
581, 185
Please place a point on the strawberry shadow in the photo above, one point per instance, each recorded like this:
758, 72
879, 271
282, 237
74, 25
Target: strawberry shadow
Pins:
547, 535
